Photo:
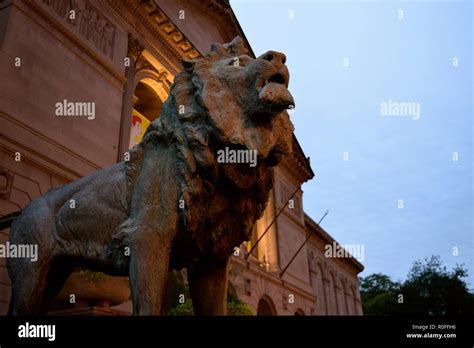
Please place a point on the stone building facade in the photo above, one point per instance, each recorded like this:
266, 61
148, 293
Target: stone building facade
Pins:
122, 56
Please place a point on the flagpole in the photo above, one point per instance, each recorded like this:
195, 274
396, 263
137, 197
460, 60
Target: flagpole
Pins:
302, 245
273, 221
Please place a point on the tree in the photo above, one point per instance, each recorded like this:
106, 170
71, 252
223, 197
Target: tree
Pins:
378, 294
377, 283
430, 289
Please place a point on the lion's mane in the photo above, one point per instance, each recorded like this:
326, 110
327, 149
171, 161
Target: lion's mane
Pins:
215, 212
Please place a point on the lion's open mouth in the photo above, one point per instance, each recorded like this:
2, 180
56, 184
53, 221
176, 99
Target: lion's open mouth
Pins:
274, 93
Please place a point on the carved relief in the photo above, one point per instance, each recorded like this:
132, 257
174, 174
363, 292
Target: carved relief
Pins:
135, 48
87, 21
143, 64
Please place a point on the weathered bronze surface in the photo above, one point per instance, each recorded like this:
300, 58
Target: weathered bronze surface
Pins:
174, 203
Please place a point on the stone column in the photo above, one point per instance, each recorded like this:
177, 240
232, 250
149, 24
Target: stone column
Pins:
349, 305
339, 299
268, 246
135, 49
326, 286
358, 305
330, 297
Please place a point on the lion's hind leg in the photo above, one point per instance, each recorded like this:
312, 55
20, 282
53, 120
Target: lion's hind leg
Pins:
29, 275
28, 285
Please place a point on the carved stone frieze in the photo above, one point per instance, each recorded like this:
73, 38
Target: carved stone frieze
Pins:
83, 17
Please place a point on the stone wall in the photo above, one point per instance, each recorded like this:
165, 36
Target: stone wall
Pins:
334, 283
46, 58
252, 283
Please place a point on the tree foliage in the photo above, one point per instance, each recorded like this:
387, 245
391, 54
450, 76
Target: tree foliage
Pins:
430, 289
235, 307
379, 294
183, 309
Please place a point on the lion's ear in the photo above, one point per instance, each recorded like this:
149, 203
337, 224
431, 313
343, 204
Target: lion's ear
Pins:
188, 63
236, 46
215, 46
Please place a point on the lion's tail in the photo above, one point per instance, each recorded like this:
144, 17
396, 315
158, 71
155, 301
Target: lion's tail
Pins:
7, 220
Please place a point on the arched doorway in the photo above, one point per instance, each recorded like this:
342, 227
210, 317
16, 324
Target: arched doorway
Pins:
148, 100
332, 298
266, 306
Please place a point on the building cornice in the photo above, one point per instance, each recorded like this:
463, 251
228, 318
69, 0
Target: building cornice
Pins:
297, 163
162, 27
223, 8
321, 234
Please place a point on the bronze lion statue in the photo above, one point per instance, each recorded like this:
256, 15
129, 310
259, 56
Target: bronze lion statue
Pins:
173, 204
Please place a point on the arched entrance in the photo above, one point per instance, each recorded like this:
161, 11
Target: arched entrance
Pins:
266, 306
147, 101
148, 98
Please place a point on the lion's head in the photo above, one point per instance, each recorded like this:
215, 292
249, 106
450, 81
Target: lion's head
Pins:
246, 98
228, 99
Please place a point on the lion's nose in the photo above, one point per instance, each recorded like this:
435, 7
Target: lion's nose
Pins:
277, 58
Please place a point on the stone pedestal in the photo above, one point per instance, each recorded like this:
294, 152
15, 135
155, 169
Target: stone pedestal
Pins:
90, 311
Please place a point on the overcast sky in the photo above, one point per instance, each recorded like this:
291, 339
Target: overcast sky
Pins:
346, 58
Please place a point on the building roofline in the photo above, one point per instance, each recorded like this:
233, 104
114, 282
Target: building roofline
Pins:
329, 239
306, 159
239, 28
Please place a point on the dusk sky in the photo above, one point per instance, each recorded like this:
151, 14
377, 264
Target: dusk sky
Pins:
346, 58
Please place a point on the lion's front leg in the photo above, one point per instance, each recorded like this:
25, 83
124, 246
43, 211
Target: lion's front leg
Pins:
149, 261
154, 220
208, 287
